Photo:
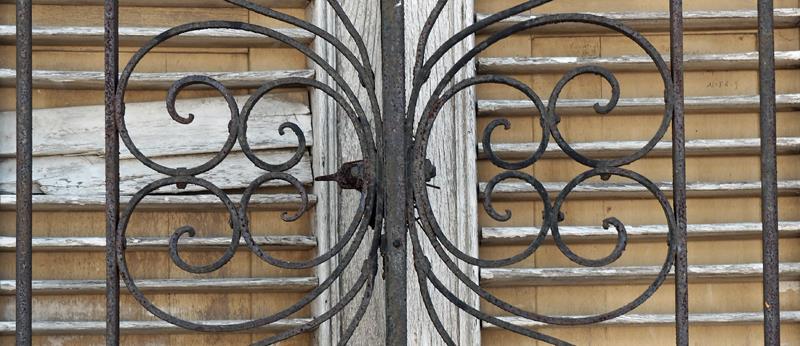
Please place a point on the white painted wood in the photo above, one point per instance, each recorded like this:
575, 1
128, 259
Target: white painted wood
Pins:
516, 190
450, 149
138, 36
61, 244
194, 285
727, 318
659, 21
147, 80
694, 104
173, 3
506, 277
610, 149
632, 63
524, 235
138, 327
82, 175
287, 202
78, 130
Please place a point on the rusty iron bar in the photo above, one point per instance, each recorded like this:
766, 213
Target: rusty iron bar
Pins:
769, 176
679, 175
395, 169
24, 217
111, 56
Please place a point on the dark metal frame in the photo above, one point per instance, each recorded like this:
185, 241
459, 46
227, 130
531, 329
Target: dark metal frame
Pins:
403, 174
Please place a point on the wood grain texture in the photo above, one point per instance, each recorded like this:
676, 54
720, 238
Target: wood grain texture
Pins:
646, 105
659, 21
450, 149
148, 80
232, 285
138, 36
136, 327
59, 244
654, 319
157, 202
523, 191
64, 131
632, 63
728, 231
610, 149
504, 277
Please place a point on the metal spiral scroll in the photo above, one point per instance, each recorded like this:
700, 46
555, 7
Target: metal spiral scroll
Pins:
343, 95
549, 120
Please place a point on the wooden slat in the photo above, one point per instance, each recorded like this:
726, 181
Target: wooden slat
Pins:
659, 21
287, 202
694, 104
504, 277
238, 285
137, 36
63, 131
172, 3
136, 327
516, 190
60, 244
696, 147
147, 80
632, 63
524, 235
726, 318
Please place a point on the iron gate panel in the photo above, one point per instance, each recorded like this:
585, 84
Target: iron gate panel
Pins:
395, 163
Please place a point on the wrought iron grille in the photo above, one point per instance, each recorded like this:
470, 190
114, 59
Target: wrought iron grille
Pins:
394, 147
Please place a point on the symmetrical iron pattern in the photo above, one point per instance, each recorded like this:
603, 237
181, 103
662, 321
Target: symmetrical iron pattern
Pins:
393, 140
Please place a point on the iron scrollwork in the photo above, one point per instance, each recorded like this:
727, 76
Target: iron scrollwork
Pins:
365, 180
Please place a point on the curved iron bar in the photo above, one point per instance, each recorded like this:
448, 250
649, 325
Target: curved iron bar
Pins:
552, 215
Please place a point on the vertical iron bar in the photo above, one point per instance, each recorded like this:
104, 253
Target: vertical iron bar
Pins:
769, 176
24, 206
395, 167
679, 175
112, 170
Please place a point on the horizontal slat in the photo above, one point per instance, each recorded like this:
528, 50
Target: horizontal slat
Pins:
659, 21
524, 235
696, 147
272, 242
731, 318
136, 327
157, 202
173, 3
63, 131
137, 36
238, 285
517, 190
694, 104
147, 80
632, 63
503, 277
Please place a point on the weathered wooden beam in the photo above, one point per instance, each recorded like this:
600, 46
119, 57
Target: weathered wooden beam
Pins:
726, 318
173, 3
47, 79
61, 244
63, 131
659, 21
608, 149
237, 285
517, 190
505, 277
138, 36
646, 105
630, 63
572, 234
288, 202
137, 327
